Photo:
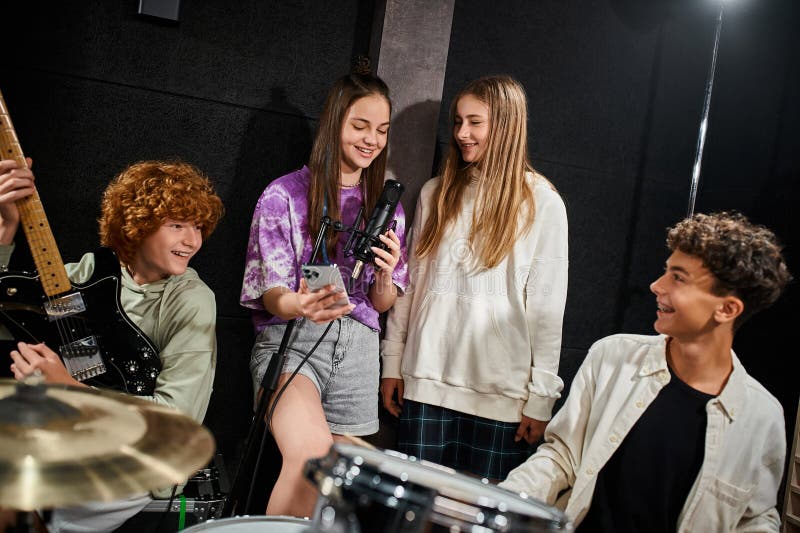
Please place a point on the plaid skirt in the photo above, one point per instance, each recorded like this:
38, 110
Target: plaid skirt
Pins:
479, 446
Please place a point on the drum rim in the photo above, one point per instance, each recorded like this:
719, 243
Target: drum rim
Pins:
489, 504
210, 523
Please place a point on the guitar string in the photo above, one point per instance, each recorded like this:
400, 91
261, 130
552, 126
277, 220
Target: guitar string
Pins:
71, 331
76, 330
64, 326
65, 330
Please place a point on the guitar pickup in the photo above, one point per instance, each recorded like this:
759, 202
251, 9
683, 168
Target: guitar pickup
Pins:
83, 359
64, 306
85, 347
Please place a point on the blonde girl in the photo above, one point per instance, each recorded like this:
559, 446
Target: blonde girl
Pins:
471, 353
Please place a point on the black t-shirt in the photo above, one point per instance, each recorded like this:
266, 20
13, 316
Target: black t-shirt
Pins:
644, 485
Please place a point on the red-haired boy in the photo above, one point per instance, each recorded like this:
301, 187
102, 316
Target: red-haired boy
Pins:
155, 216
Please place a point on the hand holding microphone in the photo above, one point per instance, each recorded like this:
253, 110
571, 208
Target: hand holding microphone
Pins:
373, 234
386, 256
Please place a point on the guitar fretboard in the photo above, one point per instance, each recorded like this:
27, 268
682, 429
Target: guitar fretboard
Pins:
34, 222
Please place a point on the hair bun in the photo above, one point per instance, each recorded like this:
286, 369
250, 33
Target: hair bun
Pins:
361, 66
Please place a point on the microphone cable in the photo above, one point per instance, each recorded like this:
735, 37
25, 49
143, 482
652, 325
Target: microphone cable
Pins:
272, 412
166, 511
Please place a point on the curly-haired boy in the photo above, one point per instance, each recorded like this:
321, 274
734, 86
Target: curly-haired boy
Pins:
670, 433
155, 216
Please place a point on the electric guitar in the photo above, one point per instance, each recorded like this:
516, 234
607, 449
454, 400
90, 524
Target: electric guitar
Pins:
84, 323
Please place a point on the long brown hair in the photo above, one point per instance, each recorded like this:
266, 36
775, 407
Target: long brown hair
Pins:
326, 152
505, 207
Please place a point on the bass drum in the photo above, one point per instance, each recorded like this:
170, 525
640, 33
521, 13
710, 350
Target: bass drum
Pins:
256, 524
365, 491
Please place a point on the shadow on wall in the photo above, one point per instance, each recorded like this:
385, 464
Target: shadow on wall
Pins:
408, 163
411, 157
276, 140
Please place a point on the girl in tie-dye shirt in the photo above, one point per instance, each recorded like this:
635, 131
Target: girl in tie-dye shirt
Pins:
335, 391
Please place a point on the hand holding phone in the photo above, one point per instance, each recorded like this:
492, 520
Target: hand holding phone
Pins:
319, 276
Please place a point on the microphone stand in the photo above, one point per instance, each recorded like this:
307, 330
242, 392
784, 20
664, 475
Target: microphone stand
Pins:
239, 499
701, 134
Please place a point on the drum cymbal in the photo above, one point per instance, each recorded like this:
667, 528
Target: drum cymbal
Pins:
63, 445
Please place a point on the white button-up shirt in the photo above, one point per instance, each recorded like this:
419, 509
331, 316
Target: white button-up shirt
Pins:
745, 444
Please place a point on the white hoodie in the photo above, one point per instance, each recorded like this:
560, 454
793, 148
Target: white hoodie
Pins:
486, 342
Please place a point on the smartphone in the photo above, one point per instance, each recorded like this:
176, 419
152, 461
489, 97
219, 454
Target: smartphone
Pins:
318, 276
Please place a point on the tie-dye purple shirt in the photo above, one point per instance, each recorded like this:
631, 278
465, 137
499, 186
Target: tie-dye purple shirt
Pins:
279, 244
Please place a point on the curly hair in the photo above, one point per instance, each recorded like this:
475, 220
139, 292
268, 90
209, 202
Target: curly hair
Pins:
145, 194
744, 258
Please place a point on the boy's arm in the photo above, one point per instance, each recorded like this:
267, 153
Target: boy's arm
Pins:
769, 520
553, 467
189, 355
761, 514
5, 255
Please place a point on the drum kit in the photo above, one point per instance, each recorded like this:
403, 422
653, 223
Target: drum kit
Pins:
62, 446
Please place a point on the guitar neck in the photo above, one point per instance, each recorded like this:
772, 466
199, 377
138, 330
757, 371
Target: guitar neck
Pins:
34, 222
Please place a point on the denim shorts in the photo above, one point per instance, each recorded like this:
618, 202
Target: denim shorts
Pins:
344, 368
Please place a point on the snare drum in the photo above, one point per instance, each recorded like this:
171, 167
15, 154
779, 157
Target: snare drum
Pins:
364, 490
258, 524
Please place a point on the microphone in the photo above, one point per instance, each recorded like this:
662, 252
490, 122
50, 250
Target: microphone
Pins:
378, 222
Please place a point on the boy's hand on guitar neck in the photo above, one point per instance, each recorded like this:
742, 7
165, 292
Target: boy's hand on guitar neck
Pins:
15, 184
28, 358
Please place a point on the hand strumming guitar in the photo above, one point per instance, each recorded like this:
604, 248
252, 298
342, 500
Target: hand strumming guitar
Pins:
30, 358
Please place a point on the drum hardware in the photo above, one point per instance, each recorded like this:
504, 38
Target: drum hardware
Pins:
182, 512
203, 510
202, 499
62, 445
203, 485
210, 483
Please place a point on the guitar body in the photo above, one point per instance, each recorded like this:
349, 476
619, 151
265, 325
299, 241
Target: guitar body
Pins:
85, 324
101, 344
